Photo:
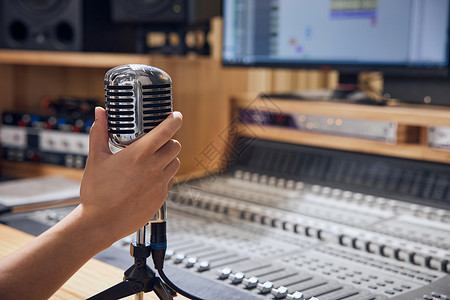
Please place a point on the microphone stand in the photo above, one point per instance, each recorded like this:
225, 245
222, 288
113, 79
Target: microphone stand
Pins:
139, 278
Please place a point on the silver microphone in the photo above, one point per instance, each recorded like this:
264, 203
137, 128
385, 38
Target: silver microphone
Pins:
137, 98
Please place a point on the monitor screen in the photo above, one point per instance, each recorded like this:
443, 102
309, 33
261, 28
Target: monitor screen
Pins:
400, 36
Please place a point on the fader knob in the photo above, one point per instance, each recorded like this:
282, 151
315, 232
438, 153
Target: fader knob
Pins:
265, 287
224, 273
191, 261
251, 282
280, 292
179, 258
169, 254
202, 266
326, 191
237, 278
295, 296
316, 189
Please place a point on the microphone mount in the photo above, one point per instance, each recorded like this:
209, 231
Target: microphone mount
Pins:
139, 278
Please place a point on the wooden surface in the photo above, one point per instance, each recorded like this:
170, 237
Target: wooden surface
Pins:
31, 169
94, 277
413, 122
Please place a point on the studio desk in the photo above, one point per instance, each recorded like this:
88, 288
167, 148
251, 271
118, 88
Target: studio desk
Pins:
317, 199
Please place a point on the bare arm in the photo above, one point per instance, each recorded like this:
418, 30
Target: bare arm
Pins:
119, 194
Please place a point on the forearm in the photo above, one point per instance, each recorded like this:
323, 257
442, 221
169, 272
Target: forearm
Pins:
40, 268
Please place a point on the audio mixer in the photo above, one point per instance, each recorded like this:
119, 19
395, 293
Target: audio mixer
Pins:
288, 221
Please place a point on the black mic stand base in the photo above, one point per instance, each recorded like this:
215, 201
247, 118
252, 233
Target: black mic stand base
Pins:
138, 278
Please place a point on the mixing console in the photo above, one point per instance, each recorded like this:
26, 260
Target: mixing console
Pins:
293, 222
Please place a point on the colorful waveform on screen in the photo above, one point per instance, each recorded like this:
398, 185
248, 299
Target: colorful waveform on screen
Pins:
353, 9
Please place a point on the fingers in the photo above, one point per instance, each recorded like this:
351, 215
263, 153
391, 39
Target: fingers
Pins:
170, 185
168, 152
98, 137
159, 136
172, 167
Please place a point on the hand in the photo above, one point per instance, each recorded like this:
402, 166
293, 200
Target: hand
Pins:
121, 192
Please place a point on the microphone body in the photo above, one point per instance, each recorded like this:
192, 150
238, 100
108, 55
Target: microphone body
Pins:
137, 98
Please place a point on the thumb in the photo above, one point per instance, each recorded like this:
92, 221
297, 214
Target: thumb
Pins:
98, 136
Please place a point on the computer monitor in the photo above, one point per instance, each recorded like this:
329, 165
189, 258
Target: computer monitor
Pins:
406, 39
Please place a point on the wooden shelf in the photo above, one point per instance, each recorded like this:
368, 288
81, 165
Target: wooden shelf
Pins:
407, 114
70, 59
411, 119
83, 59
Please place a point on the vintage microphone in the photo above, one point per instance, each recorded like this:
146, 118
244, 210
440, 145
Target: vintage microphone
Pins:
137, 99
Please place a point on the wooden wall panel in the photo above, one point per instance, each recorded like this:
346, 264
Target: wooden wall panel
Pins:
6, 87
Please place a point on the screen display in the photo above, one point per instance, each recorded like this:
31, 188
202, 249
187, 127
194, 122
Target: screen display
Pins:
298, 33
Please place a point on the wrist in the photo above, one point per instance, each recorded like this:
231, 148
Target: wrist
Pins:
80, 226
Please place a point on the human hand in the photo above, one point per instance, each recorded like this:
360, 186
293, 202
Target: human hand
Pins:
121, 192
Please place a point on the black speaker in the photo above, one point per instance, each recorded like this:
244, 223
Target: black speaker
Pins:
68, 25
188, 12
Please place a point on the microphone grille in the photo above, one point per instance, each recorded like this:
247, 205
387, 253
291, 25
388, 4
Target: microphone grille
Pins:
137, 99
156, 104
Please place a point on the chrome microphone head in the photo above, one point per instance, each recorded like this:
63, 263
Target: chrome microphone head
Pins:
137, 99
